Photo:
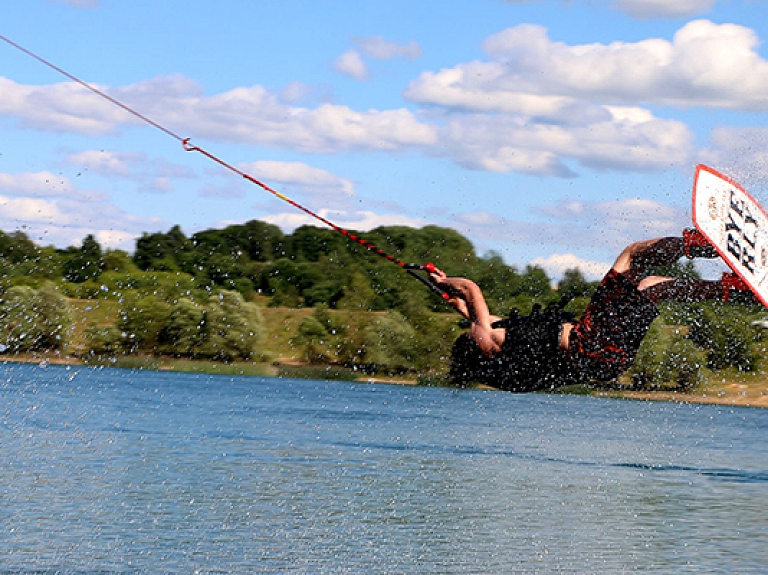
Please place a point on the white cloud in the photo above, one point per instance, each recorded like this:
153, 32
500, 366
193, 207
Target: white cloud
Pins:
351, 64
504, 143
121, 164
243, 115
535, 106
603, 226
65, 223
742, 154
116, 239
620, 222
62, 107
557, 264
706, 64
37, 184
361, 221
649, 9
536, 103
155, 175
63, 215
311, 181
29, 210
378, 48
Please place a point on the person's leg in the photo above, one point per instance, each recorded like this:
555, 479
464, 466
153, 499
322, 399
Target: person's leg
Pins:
637, 259
657, 288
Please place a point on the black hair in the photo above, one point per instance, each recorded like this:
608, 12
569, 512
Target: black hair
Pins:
529, 359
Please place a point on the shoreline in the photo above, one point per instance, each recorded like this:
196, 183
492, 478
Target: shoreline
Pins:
753, 393
732, 394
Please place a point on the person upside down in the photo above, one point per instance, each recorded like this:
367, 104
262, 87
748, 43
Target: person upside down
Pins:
548, 349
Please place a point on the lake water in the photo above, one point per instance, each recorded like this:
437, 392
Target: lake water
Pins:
118, 471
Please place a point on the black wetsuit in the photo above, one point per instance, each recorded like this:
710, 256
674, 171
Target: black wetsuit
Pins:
603, 343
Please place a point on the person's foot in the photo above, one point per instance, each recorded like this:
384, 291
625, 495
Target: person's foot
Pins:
736, 290
697, 246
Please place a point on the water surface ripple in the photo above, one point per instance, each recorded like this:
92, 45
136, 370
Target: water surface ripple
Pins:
118, 471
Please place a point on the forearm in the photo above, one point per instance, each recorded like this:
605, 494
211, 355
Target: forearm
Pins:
469, 293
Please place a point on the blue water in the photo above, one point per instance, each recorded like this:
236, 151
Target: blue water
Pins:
117, 471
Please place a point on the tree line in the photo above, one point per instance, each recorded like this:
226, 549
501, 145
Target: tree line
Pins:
194, 296
311, 266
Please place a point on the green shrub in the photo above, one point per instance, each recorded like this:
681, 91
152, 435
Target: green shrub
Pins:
666, 356
726, 332
104, 340
34, 320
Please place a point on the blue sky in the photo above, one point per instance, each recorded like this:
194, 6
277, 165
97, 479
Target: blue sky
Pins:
552, 132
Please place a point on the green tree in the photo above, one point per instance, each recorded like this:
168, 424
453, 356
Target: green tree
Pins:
666, 357
573, 284
313, 339
389, 343
309, 243
184, 332
16, 247
225, 328
104, 340
535, 283
726, 332
142, 319
118, 261
163, 251
34, 320
84, 264
499, 282
232, 328
358, 295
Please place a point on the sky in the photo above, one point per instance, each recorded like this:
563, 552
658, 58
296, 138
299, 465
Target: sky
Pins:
552, 133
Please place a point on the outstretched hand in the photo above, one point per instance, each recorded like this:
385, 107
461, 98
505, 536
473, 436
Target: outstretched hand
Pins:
453, 287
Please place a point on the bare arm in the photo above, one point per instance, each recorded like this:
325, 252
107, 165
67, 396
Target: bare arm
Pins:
468, 299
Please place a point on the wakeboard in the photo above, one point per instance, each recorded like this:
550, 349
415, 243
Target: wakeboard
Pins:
735, 224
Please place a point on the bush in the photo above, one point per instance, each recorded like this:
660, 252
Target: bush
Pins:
313, 339
226, 328
104, 340
183, 333
141, 321
389, 343
34, 320
726, 332
666, 356
232, 327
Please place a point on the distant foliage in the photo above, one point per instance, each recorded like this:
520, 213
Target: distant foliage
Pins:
574, 285
225, 328
389, 343
34, 320
666, 357
687, 339
726, 331
84, 264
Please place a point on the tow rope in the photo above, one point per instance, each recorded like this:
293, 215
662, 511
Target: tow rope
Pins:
412, 269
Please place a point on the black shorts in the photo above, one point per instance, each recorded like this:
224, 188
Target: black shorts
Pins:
604, 342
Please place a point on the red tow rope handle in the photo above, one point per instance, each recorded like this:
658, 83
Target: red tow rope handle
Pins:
430, 269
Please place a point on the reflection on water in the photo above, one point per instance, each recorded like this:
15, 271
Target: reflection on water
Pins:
118, 471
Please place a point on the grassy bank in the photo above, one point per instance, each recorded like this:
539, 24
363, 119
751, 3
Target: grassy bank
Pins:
279, 358
722, 388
